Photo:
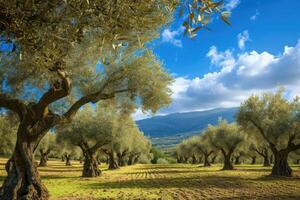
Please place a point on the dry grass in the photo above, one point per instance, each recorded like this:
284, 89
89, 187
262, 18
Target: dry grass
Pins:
177, 181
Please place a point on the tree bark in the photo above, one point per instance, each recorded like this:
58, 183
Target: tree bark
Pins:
90, 166
253, 160
113, 164
206, 161
121, 158
68, 159
23, 180
227, 160
281, 166
44, 157
266, 161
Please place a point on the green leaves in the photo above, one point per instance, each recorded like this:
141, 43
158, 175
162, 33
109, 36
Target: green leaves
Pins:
200, 13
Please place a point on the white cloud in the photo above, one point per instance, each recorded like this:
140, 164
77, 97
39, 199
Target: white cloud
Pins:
169, 36
231, 4
254, 17
242, 39
248, 73
139, 114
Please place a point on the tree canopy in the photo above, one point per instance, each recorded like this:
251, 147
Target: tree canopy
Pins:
276, 120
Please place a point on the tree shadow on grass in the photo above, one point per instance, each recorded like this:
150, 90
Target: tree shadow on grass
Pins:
279, 178
191, 182
58, 170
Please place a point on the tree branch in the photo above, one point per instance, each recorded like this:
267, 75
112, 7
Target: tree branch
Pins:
57, 91
12, 104
91, 98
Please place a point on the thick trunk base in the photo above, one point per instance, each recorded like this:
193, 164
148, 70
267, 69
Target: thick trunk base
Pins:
90, 168
113, 165
281, 166
23, 181
227, 164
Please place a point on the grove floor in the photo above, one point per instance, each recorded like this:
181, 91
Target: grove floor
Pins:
166, 182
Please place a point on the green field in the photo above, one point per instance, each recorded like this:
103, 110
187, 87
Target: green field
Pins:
170, 181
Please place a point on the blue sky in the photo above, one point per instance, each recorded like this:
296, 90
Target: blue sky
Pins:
259, 52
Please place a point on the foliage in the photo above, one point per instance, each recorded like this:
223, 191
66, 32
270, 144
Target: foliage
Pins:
156, 155
200, 13
224, 136
272, 118
8, 130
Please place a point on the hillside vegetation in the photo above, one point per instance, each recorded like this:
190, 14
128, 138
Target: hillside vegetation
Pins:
189, 122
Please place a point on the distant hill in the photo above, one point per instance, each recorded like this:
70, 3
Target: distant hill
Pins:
171, 129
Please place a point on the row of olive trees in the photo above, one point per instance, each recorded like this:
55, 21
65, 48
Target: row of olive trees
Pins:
95, 133
267, 126
107, 130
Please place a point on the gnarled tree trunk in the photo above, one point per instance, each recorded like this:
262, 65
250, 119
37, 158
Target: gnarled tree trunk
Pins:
90, 166
44, 157
113, 164
23, 180
227, 160
281, 166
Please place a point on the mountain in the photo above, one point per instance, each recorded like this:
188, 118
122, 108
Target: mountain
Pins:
171, 129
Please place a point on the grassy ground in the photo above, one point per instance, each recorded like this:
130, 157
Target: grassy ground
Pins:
177, 181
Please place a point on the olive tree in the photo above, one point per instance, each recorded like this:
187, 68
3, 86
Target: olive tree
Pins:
55, 49
47, 145
226, 138
140, 147
262, 149
276, 120
183, 151
89, 131
202, 147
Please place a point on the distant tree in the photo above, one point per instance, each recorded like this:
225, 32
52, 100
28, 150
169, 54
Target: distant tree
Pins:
275, 120
183, 152
140, 147
203, 147
227, 138
90, 130
157, 154
47, 145
262, 149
